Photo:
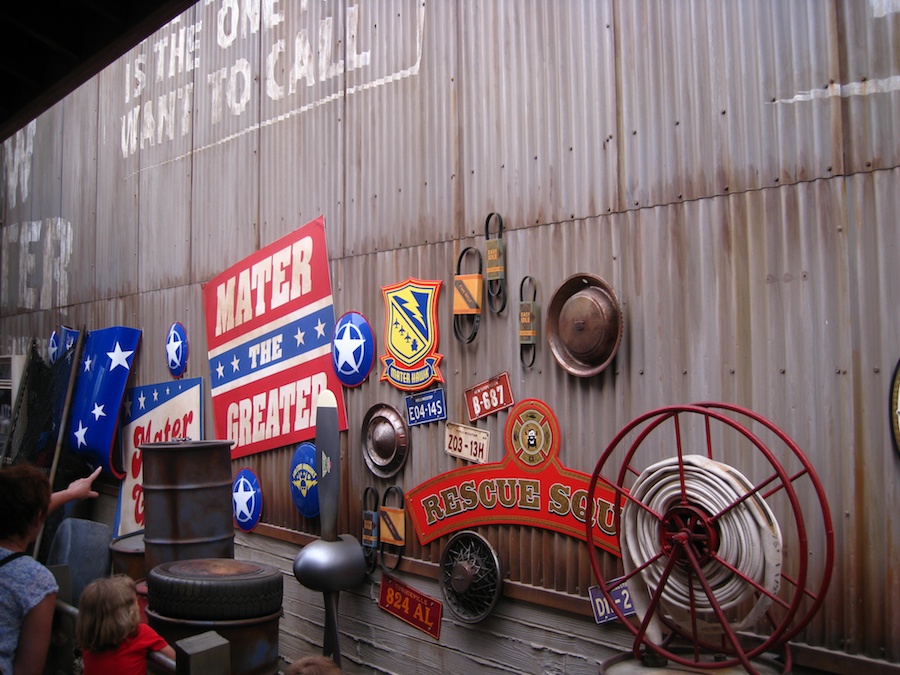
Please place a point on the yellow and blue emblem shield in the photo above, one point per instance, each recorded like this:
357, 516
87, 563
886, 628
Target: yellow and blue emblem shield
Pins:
411, 334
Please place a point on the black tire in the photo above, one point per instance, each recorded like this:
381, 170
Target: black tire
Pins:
210, 589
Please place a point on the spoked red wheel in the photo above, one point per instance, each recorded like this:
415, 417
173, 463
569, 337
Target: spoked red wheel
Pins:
725, 533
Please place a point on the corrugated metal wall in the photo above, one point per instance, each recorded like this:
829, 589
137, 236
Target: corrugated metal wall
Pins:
730, 168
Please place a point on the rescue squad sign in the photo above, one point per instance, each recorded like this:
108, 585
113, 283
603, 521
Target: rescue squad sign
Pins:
529, 487
269, 324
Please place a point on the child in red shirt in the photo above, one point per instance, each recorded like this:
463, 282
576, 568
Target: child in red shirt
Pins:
109, 631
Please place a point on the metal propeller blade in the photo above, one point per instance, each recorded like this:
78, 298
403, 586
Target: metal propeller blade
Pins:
333, 563
328, 460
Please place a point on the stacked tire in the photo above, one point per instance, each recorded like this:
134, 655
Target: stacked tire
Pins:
239, 599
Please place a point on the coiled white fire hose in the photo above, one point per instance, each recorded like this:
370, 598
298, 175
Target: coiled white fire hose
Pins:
749, 539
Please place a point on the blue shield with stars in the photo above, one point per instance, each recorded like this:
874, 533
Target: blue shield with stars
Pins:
177, 350
305, 480
353, 349
106, 361
246, 499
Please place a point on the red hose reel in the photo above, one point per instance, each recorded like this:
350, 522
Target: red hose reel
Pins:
726, 536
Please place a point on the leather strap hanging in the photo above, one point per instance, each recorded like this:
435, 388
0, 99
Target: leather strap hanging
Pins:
529, 323
468, 290
392, 530
496, 265
370, 538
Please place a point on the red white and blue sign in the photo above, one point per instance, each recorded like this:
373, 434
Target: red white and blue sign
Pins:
305, 480
177, 350
153, 413
269, 322
246, 498
106, 362
353, 349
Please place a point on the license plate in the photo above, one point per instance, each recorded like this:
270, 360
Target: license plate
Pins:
467, 442
407, 604
489, 397
603, 613
424, 407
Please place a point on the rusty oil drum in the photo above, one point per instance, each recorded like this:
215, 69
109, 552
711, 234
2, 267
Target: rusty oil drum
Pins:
127, 553
187, 501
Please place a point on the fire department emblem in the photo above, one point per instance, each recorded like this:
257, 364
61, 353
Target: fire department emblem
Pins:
411, 334
532, 432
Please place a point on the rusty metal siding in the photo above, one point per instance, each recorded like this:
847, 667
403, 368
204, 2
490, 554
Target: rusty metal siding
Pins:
537, 101
705, 97
300, 136
161, 170
114, 255
74, 282
868, 89
729, 168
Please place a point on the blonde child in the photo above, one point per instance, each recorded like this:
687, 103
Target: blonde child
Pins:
109, 631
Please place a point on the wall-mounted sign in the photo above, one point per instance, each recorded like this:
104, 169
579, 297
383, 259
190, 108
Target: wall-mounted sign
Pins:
489, 397
895, 407
61, 342
425, 407
269, 323
246, 499
177, 350
411, 334
305, 480
53, 347
153, 413
621, 596
409, 605
528, 487
469, 443
106, 361
353, 349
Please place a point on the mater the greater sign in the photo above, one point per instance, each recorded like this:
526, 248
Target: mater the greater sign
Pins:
269, 323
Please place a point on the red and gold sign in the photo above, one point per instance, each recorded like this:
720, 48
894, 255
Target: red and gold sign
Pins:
269, 322
528, 487
407, 604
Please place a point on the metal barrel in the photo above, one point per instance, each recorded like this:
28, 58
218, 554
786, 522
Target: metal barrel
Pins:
127, 553
187, 501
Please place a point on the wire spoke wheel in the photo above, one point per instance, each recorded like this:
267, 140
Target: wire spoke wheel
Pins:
719, 510
470, 576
